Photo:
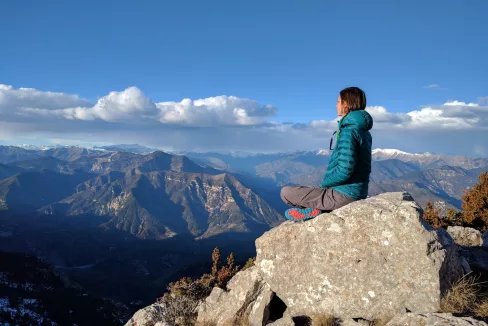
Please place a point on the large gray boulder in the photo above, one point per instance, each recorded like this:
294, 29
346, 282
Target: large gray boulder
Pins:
465, 236
433, 319
371, 258
247, 298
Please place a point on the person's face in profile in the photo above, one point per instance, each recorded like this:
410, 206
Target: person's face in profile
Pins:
341, 107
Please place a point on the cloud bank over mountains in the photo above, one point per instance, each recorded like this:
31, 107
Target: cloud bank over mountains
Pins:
223, 123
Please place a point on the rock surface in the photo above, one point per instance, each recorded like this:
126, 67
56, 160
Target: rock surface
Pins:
147, 316
247, 298
285, 321
465, 236
372, 257
365, 261
433, 319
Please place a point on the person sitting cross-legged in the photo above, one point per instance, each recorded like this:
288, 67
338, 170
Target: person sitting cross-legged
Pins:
347, 176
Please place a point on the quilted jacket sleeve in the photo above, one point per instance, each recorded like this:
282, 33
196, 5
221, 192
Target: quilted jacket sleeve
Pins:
346, 159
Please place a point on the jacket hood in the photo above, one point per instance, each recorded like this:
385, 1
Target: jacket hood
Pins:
360, 118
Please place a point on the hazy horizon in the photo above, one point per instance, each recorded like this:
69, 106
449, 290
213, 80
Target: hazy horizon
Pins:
102, 146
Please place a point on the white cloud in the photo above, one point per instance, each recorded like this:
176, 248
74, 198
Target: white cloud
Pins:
457, 103
227, 123
450, 116
13, 99
382, 116
324, 124
116, 106
435, 118
215, 111
435, 87
131, 105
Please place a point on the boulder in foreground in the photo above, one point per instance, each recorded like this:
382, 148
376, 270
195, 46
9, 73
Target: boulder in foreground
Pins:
372, 258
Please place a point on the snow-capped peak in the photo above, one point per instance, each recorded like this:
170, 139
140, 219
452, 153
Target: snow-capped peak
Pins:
389, 151
385, 154
323, 152
35, 147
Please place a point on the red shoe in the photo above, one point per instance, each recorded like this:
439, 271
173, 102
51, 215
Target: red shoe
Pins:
302, 214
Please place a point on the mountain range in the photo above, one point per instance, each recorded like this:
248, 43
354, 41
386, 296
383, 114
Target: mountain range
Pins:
156, 195
122, 221
429, 177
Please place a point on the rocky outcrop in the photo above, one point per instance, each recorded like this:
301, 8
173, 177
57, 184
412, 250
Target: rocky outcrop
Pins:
465, 236
473, 249
433, 319
371, 258
148, 316
248, 298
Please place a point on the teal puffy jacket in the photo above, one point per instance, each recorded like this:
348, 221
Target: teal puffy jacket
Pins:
350, 164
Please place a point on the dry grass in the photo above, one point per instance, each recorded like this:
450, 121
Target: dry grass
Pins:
325, 320
482, 309
462, 297
249, 263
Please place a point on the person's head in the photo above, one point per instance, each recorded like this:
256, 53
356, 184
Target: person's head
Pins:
350, 99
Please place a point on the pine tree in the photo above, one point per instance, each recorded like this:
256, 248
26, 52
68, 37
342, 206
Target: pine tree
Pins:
454, 217
475, 204
431, 215
215, 261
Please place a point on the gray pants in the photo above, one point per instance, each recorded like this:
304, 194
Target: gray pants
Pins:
325, 199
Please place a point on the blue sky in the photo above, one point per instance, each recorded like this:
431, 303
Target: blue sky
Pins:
294, 55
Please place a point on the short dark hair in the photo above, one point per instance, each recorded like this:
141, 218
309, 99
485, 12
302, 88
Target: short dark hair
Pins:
354, 97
